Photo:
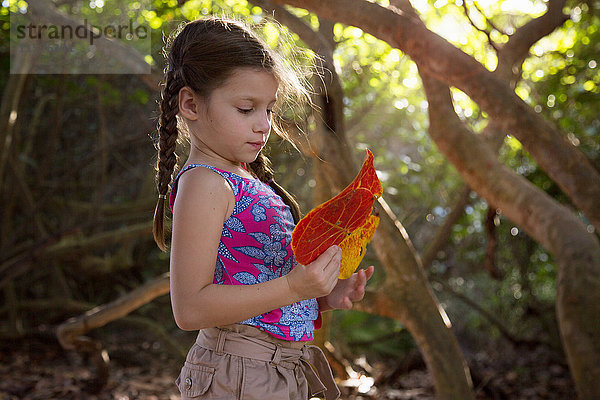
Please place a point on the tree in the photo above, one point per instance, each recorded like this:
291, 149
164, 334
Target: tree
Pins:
61, 242
576, 250
405, 284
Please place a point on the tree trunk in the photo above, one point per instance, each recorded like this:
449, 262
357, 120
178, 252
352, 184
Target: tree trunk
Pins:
577, 251
552, 225
406, 295
9, 107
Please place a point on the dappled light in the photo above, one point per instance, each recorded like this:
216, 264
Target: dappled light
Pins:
480, 121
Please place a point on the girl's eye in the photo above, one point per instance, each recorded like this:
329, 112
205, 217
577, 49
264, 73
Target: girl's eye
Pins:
244, 110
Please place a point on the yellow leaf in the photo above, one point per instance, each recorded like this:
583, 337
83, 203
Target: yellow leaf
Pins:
354, 246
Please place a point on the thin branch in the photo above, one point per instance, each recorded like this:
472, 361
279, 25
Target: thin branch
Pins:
486, 31
60, 245
487, 20
504, 331
514, 52
32, 206
9, 107
18, 262
69, 330
314, 40
445, 230
492, 244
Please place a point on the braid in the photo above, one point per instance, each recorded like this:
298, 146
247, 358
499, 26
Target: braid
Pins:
262, 167
202, 55
263, 171
167, 142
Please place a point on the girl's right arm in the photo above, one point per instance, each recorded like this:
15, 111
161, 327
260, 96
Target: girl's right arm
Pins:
200, 209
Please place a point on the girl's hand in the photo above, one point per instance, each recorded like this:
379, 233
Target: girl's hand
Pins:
347, 291
318, 278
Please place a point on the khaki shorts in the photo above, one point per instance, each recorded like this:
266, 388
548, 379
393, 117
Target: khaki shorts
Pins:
244, 363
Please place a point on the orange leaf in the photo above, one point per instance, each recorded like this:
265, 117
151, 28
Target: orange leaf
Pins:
354, 246
336, 220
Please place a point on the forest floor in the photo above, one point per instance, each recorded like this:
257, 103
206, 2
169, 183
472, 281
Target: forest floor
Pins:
36, 369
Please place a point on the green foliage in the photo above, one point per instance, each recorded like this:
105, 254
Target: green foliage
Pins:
385, 110
366, 334
560, 81
563, 79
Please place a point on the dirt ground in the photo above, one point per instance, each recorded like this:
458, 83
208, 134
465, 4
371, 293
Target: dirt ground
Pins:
39, 369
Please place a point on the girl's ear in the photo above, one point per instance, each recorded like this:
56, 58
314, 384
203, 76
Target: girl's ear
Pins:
189, 104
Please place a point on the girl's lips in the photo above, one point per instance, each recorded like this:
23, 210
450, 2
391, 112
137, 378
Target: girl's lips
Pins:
257, 144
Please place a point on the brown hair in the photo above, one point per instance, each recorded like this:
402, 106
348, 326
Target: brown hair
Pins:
203, 54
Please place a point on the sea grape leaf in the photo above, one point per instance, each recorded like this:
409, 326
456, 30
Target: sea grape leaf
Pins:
346, 218
354, 246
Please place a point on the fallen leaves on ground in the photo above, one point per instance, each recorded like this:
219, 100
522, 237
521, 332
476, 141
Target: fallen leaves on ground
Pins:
35, 369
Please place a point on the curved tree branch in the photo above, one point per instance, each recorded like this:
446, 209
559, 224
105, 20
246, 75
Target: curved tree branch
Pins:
487, 20
70, 333
445, 230
474, 25
554, 226
516, 50
563, 162
332, 87
407, 296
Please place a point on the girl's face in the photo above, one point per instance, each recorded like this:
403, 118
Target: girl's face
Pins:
234, 124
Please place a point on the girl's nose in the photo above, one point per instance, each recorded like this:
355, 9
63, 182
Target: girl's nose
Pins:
263, 123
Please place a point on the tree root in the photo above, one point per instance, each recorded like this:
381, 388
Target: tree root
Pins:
70, 333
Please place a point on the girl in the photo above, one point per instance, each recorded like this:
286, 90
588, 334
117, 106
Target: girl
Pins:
233, 273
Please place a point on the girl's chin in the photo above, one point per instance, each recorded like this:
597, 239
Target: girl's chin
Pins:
251, 159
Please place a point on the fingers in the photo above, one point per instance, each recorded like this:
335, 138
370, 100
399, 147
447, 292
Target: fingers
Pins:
327, 257
359, 279
334, 261
358, 293
336, 253
332, 269
369, 272
362, 276
347, 303
323, 272
324, 258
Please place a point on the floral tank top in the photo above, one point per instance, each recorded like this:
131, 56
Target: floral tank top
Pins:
255, 247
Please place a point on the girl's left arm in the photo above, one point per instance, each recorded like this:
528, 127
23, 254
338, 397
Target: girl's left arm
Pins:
347, 291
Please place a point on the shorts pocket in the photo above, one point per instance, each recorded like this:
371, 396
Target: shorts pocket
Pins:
194, 379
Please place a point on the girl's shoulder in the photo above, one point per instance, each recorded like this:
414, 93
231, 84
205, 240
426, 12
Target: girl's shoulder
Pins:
201, 186
223, 172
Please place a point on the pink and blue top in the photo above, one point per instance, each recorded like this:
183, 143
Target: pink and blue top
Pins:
255, 247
